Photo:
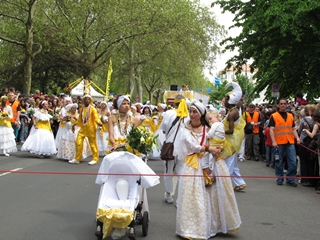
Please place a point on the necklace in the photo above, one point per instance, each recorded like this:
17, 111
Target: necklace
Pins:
235, 107
195, 126
123, 129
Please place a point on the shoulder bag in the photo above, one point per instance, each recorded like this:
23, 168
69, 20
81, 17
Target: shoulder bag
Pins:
166, 152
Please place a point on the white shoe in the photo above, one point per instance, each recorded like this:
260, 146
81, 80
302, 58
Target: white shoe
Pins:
7, 154
241, 159
73, 161
92, 163
168, 197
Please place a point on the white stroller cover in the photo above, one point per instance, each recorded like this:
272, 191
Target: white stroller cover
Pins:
148, 177
115, 213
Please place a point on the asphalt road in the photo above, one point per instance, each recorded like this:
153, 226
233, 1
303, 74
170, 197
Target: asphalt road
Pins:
41, 204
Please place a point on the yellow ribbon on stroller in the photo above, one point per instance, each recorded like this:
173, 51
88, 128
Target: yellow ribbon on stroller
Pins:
113, 218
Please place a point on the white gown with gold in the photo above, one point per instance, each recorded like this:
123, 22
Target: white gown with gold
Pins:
40, 141
193, 207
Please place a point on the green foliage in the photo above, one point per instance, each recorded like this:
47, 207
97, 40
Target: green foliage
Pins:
282, 37
152, 44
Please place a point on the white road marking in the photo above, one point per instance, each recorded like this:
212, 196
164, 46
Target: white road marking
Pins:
13, 170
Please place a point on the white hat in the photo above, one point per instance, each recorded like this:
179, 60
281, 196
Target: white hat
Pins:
67, 99
71, 105
198, 106
236, 94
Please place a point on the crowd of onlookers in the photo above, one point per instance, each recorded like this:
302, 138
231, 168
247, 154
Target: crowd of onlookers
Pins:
258, 143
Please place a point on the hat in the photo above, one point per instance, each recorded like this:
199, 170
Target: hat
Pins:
236, 94
201, 109
71, 105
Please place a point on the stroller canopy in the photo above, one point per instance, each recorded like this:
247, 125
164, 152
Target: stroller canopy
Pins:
138, 168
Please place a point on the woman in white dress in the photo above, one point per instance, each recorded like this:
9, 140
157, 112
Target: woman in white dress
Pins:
121, 122
7, 138
193, 206
63, 118
103, 132
41, 140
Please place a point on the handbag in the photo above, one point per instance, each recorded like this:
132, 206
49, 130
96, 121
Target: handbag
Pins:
248, 129
166, 152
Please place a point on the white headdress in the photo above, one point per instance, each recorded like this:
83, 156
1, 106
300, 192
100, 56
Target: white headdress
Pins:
71, 105
236, 94
121, 99
67, 99
201, 109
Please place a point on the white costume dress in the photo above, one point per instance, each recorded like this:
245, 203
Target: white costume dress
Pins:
62, 128
67, 149
7, 138
102, 136
40, 141
225, 215
193, 207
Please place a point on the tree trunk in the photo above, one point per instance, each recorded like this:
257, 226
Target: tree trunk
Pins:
139, 87
29, 48
131, 71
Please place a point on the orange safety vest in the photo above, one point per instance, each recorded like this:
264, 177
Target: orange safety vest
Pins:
254, 119
283, 132
14, 108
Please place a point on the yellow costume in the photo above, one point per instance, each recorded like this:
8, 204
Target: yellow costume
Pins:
87, 121
148, 123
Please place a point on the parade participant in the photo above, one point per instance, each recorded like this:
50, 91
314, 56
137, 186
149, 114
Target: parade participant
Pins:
121, 122
216, 137
40, 140
193, 206
88, 121
67, 151
7, 138
283, 134
146, 119
225, 215
169, 126
161, 136
103, 132
234, 129
15, 106
63, 118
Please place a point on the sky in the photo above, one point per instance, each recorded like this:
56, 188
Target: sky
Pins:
226, 20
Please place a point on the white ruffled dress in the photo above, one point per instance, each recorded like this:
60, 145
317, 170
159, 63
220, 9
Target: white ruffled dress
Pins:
40, 141
7, 138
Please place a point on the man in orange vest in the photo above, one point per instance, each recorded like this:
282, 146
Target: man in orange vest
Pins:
253, 138
283, 135
15, 120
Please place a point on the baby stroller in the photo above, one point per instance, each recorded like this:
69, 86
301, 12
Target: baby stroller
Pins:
118, 215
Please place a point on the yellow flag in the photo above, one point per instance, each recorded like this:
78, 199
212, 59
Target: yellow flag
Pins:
108, 78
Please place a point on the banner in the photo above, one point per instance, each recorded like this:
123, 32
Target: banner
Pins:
108, 79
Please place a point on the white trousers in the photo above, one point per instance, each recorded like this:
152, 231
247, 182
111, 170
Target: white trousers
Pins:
232, 163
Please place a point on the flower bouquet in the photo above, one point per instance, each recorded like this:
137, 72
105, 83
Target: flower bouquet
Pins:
30, 111
68, 90
140, 140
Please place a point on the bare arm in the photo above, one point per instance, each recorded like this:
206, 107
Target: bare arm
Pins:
232, 117
111, 130
274, 143
314, 131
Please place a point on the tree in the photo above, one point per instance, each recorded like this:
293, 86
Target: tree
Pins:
20, 16
282, 37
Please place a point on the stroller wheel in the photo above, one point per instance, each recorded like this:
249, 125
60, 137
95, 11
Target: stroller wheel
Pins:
98, 232
145, 223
